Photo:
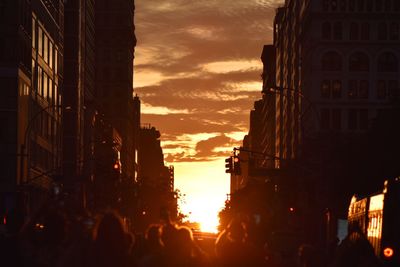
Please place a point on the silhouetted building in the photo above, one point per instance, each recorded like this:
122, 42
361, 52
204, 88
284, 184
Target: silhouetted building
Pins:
336, 72
115, 44
79, 94
156, 180
31, 78
104, 190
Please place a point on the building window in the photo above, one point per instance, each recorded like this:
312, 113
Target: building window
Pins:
342, 5
394, 31
358, 61
325, 119
365, 31
353, 31
382, 31
363, 89
326, 31
378, 5
381, 89
56, 61
352, 119
334, 5
325, 5
369, 5
326, 89
363, 119
396, 5
352, 5
387, 62
360, 5
331, 61
337, 31
336, 119
353, 89
33, 33
40, 41
40, 81
393, 89
51, 55
45, 85
50, 95
45, 48
337, 89
388, 5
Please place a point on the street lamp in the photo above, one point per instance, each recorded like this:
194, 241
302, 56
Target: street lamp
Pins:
25, 140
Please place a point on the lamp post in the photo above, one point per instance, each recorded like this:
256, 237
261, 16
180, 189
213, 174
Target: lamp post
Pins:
25, 141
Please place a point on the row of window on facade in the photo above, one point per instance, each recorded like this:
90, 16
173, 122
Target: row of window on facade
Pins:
43, 159
361, 5
383, 31
359, 61
46, 87
360, 89
44, 44
331, 119
47, 125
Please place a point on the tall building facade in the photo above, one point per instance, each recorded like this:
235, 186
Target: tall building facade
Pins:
115, 44
79, 87
337, 68
31, 77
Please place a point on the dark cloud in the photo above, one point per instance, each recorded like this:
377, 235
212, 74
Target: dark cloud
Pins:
206, 148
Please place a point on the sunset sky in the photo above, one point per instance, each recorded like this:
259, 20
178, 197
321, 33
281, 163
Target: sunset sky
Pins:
197, 72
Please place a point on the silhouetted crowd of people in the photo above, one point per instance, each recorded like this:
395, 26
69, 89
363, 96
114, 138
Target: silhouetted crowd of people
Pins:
55, 238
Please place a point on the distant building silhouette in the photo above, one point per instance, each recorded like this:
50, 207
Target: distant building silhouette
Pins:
156, 180
79, 94
115, 44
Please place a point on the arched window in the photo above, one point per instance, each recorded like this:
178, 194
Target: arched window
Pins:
353, 31
388, 62
326, 31
331, 61
358, 61
382, 31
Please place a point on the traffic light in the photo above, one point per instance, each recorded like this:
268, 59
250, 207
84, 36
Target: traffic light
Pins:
229, 165
236, 165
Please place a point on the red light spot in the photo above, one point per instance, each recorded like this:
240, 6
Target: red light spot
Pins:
291, 209
388, 252
116, 166
4, 220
